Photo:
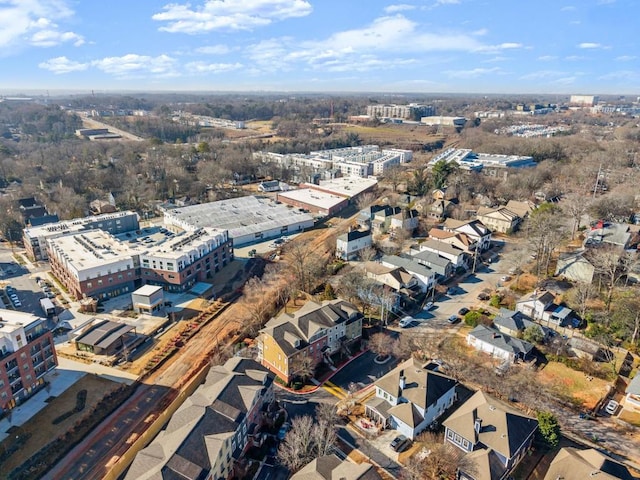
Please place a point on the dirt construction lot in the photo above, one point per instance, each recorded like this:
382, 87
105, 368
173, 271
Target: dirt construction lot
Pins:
41, 429
574, 384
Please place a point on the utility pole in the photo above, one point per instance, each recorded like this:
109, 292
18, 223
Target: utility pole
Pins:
595, 187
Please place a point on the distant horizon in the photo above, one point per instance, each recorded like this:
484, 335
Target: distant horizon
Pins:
463, 47
44, 92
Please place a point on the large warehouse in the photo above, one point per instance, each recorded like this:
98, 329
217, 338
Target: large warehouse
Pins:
248, 219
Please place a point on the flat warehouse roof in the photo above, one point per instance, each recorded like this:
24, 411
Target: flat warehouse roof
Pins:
316, 198
240, 216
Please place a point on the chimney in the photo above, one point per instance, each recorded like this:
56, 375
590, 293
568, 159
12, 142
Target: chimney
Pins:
477, 425
403, 380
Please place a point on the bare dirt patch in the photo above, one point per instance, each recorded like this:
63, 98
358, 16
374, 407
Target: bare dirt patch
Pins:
573, 384
41, 430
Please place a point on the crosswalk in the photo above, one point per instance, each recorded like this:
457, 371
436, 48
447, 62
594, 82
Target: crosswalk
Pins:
335, 390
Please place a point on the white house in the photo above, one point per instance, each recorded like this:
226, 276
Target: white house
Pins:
410, 398
498, 344
349, 245
426, 276
454, 254
475, 229
632, 400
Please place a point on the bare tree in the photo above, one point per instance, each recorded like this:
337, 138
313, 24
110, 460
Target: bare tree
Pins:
627, 315
368, 253
381, 344
325, 430
575, 206
297, 448
610, 263
303, 366
580, 295
365, 200
394, 175
545, 231
306, 265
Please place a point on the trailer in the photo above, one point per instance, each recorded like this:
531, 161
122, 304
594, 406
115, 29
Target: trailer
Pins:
48, 307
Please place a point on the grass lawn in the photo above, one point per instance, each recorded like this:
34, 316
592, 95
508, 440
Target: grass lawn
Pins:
574, 384
41, 428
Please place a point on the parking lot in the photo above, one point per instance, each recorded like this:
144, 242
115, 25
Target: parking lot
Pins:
22, 285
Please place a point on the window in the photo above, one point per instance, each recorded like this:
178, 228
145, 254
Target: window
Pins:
100, 282
89, 284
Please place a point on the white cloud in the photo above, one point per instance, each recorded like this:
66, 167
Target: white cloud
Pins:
401, 7
509, 45
543, 75
590, 45
547, 58
480, 32
228, 14
61, 65
575, 58
137, 65
626, 58
214, 50
473, 73
204, 67
622, 76
51, 38
568, 8
447, 2
32, 22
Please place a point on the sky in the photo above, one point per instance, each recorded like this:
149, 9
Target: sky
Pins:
429, 46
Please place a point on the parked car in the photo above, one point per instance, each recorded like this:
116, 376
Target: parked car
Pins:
453, 319
50, 295
17, 303
612, 407
505, 278
483, 296
404, 446
463, 311
452, 290
397, 442
406, 322
428, 306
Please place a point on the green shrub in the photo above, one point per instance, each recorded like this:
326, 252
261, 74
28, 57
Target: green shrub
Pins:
472, 318
495, 301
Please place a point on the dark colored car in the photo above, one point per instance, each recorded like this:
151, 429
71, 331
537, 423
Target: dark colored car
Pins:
397, 442
463, 311
484, 296
404, 445
453, 319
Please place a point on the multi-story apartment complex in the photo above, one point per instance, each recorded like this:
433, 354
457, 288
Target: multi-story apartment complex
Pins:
412, 111
315, 331
35, 238
360, 161
97, 264
27, 353
210, 432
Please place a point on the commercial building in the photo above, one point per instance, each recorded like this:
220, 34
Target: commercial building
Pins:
98, 264
412, 111
27, 353
108, 338
583, 100
444, 121
35, 238
148, 299
314, 201
490, 164
207, 437
247, 219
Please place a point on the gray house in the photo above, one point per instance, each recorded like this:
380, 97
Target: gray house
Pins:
575, 267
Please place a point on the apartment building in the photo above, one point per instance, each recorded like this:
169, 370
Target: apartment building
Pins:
35, 238
97, 264
211, 431
27, 353
315, 331
412, 111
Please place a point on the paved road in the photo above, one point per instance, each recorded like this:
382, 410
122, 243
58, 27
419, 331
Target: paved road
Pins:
368, 450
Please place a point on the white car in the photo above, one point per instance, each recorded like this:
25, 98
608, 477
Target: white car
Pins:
428, 306
612, 407
406, 322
